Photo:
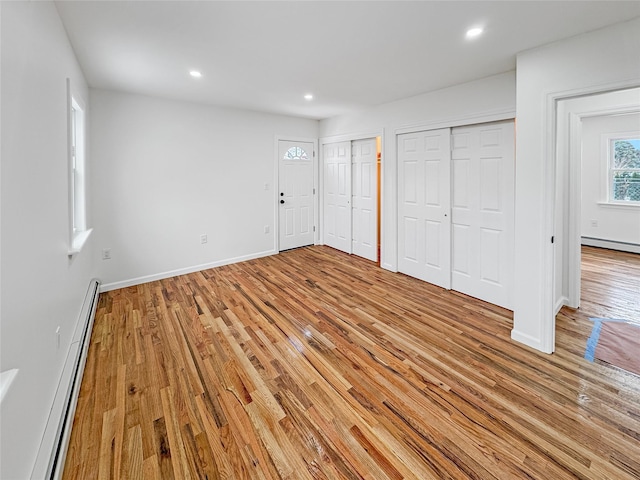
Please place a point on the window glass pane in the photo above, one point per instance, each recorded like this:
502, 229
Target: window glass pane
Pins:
296, 153
625, 170
626, 153
626, 186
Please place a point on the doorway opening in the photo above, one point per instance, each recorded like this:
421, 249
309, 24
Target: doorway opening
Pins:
584, 211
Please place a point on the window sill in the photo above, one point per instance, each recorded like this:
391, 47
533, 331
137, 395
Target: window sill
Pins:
79, 239
619, 205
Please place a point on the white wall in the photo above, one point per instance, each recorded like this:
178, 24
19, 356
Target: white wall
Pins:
41, 287
491, 98
602, 60
615, 223
166, 172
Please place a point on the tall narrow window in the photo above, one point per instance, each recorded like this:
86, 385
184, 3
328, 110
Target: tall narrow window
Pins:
78, 231
624, 170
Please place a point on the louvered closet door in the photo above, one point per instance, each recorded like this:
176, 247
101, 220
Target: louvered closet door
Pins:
483, 211
337, 196
424, 238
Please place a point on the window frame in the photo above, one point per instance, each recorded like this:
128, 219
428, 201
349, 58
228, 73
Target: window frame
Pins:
608, 147
77, 161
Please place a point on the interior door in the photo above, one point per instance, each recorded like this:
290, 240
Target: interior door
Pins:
483, 192
424, 229
337, 195
295, 195
364, 201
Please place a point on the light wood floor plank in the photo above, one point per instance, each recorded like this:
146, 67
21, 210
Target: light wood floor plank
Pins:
313, 364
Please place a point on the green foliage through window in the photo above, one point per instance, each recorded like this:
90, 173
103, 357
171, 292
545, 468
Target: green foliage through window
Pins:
625, 170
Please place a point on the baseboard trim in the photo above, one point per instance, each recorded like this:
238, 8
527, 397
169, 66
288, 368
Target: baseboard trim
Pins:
183, 271
559, 304
52, 453
610, 244
528, 340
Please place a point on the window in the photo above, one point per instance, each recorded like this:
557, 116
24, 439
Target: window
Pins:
624, 170
296, 153
78, 232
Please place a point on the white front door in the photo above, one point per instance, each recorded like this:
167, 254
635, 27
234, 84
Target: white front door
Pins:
295, 195
483, 192
337, 196
424, 229
364, 198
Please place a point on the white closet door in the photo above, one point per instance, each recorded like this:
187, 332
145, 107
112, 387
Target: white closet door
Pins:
337, 196
364, 198
424, 230
483, 191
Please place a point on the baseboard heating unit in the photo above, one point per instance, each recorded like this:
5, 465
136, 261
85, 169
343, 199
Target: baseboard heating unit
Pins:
611, 244
53, 448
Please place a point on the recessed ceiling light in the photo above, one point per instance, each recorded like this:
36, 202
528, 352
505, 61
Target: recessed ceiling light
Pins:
474, 32
195, 74
308, 96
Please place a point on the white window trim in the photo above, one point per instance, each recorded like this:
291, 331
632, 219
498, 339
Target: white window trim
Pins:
606, 141
78, 231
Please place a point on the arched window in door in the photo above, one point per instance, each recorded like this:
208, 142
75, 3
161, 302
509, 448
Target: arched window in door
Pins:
296, 153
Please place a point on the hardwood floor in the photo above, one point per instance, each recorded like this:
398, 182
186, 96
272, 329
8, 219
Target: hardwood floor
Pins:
314, 364
610, 284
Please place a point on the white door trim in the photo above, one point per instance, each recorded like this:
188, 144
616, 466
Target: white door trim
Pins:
465, 121
275, 187
349, 137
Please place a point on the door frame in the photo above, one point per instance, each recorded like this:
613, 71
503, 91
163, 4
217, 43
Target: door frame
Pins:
568, 206
350, 138
551, 163
276, 186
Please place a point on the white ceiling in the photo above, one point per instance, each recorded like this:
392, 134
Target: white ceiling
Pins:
266, 55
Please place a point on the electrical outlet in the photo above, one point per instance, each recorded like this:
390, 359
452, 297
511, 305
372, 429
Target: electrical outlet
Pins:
266, 186
266, 229
594, 223
203, 238
106, 254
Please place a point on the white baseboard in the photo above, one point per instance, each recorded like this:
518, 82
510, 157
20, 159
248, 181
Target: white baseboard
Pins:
529, 341
562, 301
183, 271
610, 244
388, 266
